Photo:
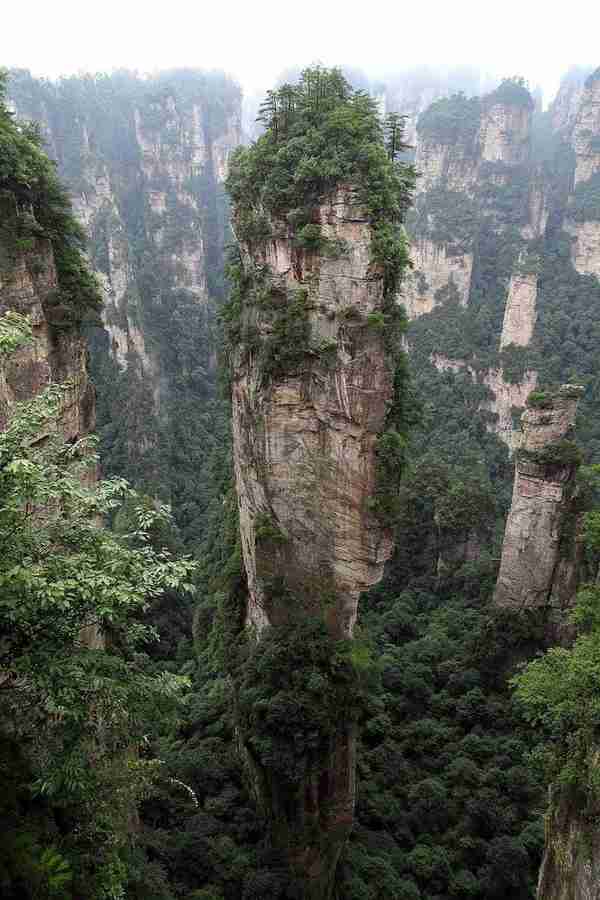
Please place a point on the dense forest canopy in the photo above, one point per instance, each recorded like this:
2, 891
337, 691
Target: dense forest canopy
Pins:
120, 765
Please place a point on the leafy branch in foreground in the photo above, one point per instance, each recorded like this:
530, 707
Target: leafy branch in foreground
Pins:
77, 697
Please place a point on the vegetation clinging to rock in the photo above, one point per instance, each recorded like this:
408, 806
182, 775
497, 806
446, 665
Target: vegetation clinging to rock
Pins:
37, 206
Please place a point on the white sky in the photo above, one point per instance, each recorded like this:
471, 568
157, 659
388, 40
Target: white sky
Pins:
254, 40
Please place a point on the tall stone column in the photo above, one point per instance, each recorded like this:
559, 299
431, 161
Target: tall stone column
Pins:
540, 551
312, 385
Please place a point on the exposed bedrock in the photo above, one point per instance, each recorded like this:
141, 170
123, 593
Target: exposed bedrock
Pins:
304, 443
540, 553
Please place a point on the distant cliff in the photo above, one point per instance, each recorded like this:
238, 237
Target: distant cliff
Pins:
144, 161
505, 194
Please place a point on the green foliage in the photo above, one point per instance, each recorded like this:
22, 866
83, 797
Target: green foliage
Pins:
391, 453
35, 206
512, 92
445, 802
320, 134
559, 453
540, 400
76, 710
15, 332
284, 350
446, 217
295, 689
558, 692
451, 120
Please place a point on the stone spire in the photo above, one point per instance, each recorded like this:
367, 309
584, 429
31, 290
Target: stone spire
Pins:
539, 554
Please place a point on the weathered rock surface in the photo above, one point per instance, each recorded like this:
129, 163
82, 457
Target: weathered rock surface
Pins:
505, 133
586, 130
435, 268
520, 311
142, 178
585, 248
540, 549
304, 445
507, 398
27, 279
305, 468
584, 227
571, 865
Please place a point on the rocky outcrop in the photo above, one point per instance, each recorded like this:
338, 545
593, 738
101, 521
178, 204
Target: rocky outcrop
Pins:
443, 161
585, 246
540, 550
586, 131
520, 311
508, 399
460, 147
27, 281
582, 220
435, 268
505, 132
565, 106
304, 447
571, 865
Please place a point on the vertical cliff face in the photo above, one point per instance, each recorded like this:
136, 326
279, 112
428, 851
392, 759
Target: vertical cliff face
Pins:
305, 468
540, 551
570, 868
505, 131
142, 160
586, 129
479, 205
520, 310
28, 283
304, 445
583, 211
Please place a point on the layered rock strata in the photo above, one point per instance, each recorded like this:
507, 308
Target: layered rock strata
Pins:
540, 552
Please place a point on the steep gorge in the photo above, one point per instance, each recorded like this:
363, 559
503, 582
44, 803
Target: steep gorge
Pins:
144, 161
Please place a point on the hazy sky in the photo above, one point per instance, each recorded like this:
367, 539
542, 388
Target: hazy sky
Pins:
255, 39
